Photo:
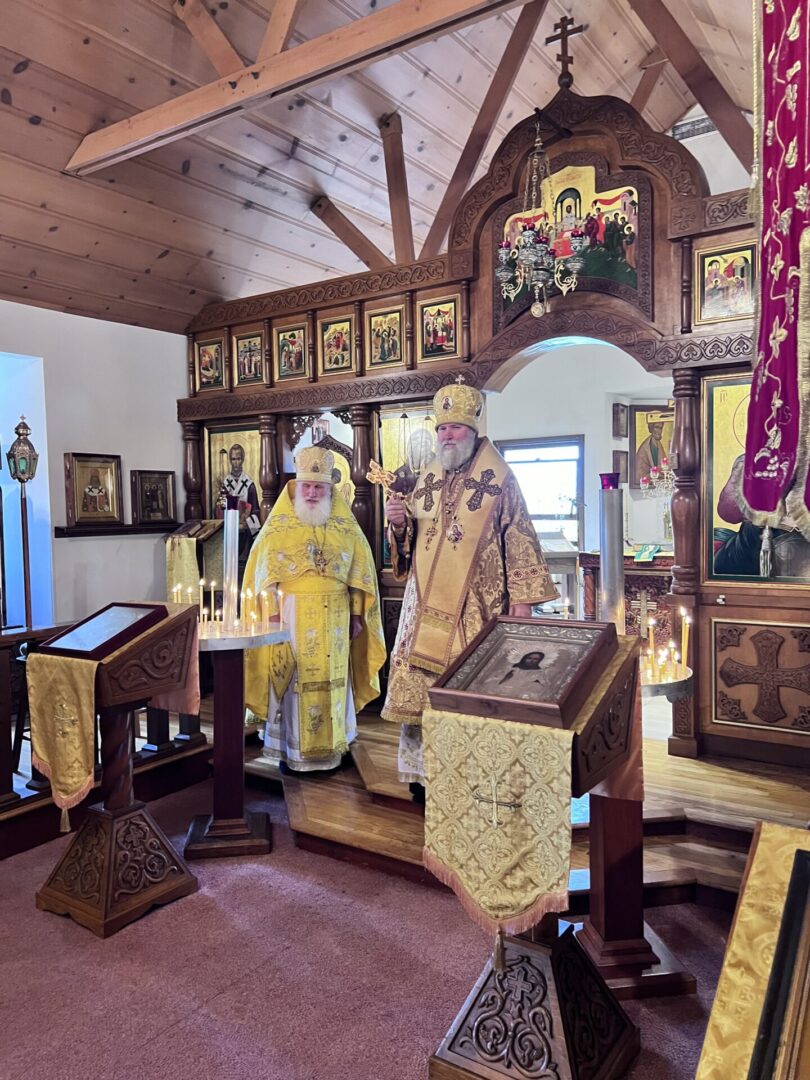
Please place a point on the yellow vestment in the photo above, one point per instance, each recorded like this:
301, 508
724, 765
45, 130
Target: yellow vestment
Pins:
330, 573
471, 551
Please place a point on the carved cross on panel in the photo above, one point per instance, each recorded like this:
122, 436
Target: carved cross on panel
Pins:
769, 677
480, 488
430, 485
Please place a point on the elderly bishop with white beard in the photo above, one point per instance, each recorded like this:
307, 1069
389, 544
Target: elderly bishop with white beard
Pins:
315, 566
469, 551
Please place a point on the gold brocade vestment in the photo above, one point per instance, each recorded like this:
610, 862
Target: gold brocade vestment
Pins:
469, 551
330, 574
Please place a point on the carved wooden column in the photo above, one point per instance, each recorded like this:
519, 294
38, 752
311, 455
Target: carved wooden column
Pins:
192, 470
192, 381
686, 285
227, 360
410, 352
685, 454
686, 498
268, 467
363, 505
466, 354
359, 357
268, 352
312, 374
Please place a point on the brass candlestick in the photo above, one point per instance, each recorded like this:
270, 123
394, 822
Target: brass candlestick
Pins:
22, 464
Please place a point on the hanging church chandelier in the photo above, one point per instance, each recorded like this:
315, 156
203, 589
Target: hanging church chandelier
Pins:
548, 249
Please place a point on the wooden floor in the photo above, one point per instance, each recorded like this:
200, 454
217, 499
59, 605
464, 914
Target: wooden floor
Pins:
698, 815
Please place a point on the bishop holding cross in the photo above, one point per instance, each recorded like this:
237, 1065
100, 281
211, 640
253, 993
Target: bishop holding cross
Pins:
469, 551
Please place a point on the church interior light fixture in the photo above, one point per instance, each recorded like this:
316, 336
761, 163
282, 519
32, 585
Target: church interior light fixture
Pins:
547, 252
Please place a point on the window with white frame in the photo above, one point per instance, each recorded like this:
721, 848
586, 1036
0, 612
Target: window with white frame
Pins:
550, 474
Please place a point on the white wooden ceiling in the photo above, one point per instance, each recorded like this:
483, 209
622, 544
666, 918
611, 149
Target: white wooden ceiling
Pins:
227, 214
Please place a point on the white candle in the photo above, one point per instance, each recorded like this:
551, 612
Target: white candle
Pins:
213, 583
280, 609
202, 598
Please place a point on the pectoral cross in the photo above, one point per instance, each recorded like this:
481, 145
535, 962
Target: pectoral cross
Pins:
480, 488
566, 30
494, 820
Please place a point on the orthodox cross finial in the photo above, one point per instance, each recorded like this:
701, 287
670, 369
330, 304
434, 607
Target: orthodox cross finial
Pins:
566, 30
459, 379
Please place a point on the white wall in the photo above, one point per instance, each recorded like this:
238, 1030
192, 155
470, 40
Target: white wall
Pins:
723, 169
570, 390
109, 389
22, 380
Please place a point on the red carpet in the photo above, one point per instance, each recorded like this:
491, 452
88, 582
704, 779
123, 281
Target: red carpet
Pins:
286, 967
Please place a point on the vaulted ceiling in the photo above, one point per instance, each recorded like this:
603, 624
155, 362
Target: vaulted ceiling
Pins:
227, 212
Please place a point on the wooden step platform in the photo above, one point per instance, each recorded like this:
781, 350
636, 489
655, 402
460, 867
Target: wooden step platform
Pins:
698, 816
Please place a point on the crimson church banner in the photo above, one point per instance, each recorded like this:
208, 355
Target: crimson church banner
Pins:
776, 484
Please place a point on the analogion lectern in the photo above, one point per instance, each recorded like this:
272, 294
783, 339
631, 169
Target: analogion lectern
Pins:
120, 863
553, 1005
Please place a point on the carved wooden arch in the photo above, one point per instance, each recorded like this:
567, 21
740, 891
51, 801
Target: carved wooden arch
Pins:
611, 321
635, 142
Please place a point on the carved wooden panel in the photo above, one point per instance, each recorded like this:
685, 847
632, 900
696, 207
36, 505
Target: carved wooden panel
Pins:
547, 1016
370, 285
761, 676
637, 143
154, 663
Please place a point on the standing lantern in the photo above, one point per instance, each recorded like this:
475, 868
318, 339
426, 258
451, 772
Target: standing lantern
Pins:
22, 464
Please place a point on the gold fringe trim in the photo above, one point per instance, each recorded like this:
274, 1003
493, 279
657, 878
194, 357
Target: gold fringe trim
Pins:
514, 924
795, 499
62, 802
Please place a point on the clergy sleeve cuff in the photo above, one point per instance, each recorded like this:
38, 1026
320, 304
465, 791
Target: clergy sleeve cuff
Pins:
355, 601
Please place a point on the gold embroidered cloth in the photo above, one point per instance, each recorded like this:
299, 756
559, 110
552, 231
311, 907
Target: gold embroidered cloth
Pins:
62, 700
498, 816
737, 1008
181, 566
451, 531
330, 571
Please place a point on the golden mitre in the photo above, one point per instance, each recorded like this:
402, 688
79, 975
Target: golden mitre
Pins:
315, 464
458, 404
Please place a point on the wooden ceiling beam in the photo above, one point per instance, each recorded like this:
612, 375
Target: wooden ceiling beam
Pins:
707, 89
279, 28
205, 30
391, 131
358, 43
355, 240
652, 68
494, 101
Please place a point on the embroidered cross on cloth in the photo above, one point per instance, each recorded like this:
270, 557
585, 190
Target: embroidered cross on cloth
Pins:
498, 816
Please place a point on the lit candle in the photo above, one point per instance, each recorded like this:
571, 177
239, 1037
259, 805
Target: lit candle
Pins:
263, 606
213, 583
645, 483
176, 592
687, 622
249, 608
280, 609
253, 622
242, 604
189, 591
202, 599
218, 620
